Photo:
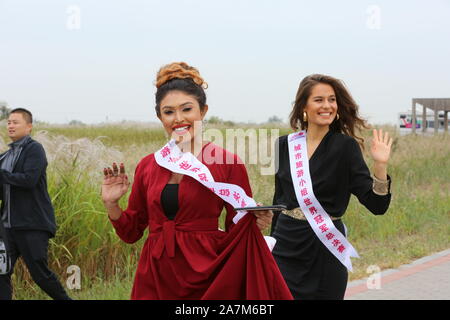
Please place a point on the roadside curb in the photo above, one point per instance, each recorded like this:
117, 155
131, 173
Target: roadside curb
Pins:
391, 275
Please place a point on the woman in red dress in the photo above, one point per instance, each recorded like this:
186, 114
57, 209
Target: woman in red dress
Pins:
186, 256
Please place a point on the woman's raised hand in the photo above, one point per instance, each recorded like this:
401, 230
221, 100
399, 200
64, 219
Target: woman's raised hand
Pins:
380, 148
115, 184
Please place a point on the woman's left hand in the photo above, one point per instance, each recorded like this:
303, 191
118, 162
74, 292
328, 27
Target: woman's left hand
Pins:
263, 218
381, 146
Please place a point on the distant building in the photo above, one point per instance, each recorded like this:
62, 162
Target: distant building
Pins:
405, 120
439, 106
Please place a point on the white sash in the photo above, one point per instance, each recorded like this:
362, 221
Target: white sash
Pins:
172, 158
317, 217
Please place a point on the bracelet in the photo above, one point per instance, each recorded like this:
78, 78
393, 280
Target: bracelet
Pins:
298, 214
380, 187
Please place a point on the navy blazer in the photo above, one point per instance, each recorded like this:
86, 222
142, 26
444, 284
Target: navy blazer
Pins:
30, 204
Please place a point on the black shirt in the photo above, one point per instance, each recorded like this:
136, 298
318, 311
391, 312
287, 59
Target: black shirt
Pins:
337, 170
169, 200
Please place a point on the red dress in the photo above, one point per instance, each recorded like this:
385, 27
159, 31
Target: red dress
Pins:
189, 257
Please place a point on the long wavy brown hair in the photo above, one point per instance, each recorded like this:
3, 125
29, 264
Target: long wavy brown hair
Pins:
349, 119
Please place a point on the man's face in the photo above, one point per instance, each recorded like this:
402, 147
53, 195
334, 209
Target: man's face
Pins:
18, 126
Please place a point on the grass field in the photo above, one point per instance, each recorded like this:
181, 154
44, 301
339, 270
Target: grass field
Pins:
416, 224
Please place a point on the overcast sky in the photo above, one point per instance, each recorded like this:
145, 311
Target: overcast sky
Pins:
95, 60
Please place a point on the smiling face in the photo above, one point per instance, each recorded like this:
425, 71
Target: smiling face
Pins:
321, 107
181, 115
17, 126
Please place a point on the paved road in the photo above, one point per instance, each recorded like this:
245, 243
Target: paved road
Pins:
425, 279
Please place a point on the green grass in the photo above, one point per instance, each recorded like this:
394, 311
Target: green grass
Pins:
416, 224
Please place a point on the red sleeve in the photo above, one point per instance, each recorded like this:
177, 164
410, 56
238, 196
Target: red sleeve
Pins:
237, 175
134, 220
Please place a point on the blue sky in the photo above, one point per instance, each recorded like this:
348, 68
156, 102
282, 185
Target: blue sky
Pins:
253, 54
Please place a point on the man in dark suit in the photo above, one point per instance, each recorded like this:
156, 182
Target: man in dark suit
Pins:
26, 212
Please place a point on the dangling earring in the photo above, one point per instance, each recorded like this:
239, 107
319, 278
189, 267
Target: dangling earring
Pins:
337, 116
305, 116
204, 123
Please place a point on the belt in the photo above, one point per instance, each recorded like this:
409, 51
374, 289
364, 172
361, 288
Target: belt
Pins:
298, 214
166, 240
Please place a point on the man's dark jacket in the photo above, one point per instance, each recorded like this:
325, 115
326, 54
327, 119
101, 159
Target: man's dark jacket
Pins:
30, 204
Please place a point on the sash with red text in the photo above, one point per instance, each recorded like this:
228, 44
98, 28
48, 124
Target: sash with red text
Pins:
173, 159
317, 217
